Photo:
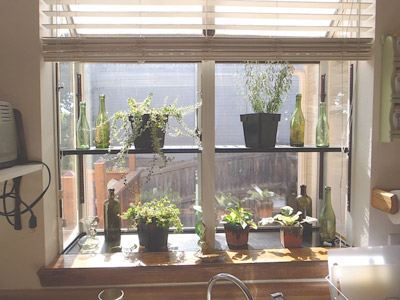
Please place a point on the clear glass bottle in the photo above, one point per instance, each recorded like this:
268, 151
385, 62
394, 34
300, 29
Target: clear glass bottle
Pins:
102, 130
297, 125
82, 129
322, 134
327, 219
112, 220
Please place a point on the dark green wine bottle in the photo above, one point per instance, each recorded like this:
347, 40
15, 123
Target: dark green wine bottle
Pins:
82, 129
102, 131
297, 125
112, 220
304, 204
327, 219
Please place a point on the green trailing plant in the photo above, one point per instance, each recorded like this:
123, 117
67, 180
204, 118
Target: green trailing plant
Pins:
266, 85
128, 125
238, 216
162, 213
156, 194
288, 218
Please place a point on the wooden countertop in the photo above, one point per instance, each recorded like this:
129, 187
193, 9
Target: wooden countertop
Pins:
183, 267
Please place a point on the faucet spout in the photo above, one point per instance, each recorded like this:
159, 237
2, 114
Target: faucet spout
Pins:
231, 278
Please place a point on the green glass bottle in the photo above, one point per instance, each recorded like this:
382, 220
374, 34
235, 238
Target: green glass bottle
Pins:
297, 125
112, 220
82, 129
304, 204
102, 131
327, 219
322, 134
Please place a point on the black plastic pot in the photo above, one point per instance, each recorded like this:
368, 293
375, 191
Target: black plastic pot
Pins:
260, 129
152, 237
144, 141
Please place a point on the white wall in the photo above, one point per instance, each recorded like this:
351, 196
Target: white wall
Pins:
376, 164
21, 68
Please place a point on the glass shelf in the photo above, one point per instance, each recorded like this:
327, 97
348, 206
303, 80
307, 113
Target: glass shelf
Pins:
218, 149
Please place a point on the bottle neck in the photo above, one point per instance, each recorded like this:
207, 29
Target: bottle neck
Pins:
322, 108
102, 108
303, 191
328, 196
82, 108
298, 102
111, 195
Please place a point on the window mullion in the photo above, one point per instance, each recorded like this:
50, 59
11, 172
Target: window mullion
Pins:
207, 157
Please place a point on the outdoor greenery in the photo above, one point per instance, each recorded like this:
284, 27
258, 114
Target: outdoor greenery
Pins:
238, 216
266, 85
129, 125
224, 200
162, 213
260, 196
287, 218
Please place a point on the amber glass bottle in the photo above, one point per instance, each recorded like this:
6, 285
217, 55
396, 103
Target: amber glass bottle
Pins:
304, 204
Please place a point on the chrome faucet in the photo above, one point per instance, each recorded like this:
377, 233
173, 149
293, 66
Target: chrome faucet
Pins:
231, 278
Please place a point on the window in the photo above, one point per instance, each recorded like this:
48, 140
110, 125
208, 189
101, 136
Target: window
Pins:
128, 50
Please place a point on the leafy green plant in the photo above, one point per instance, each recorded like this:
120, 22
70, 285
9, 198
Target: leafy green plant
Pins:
287, 218
224, 200
160, 212
260, 196
266, 85
128, 125
238, 216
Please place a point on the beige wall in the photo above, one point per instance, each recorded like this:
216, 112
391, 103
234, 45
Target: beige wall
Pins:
375, 164
24, 252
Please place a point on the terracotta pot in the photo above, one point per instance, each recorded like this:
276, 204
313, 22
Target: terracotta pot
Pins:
236, 236
152, 237
291, 236
264, 210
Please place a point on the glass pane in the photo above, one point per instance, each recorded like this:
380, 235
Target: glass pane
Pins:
230, 103
177, 181
248, 172
122, 81
68, 163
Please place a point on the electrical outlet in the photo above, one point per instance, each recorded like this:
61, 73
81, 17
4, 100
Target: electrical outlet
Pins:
394, 239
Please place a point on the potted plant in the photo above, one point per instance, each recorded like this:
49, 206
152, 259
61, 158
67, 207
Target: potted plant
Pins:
237, 226
266, 87
291, 232
263, 200
145, 127
153, 220
223, 201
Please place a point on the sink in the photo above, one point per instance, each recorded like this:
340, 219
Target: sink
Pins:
365, 273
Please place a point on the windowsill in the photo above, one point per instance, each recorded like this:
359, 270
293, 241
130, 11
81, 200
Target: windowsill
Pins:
180, 267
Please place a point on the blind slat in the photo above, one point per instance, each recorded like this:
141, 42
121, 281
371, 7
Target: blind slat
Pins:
197, 49
245, 3
121, 14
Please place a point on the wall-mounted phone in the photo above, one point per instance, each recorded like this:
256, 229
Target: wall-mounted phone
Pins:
13, 152
12, 141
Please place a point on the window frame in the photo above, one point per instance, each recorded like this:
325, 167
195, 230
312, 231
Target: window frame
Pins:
206, 157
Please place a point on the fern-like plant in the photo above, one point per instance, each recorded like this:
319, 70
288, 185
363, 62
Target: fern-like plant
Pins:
266, 85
